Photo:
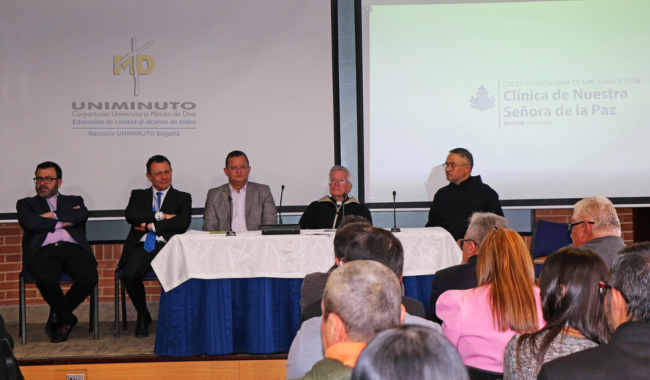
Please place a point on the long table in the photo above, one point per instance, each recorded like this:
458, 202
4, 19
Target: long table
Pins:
224, 295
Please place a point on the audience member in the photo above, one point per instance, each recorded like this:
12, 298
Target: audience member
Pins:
410, 352
379, 245
479, 322
454, 204
373, 244
463, 276
627, 308
314, 284
595, 226
328, 211
572, 309
54, 241
361, 299
252, 203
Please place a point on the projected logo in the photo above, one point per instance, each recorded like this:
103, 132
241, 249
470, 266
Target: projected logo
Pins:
134, 61
483, 101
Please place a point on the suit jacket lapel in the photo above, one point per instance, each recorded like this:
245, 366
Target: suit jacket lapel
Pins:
249, 199
168, 198
225, 193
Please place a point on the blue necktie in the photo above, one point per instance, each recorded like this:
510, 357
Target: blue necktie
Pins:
150, 241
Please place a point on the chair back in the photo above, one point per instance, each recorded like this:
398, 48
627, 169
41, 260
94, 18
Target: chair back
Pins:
548, 237
7, 361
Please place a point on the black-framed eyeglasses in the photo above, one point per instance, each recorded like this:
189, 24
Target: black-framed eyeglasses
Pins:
577, 223
46, 180
452, 164
463, 241
604, 287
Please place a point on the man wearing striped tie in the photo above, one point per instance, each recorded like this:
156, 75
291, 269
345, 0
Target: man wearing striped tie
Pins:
155, 215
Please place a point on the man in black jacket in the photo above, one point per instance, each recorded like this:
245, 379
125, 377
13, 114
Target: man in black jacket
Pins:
455, 203
375, 244
463, 276
155, 215
328, 211
627, 307
55, 242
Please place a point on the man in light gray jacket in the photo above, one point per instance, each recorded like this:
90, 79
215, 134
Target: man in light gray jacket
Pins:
252, 203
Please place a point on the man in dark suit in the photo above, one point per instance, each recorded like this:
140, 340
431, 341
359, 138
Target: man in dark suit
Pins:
463, 276
314, 285
627, 308
54, 242
155, 214
375, 244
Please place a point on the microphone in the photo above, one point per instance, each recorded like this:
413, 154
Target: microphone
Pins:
230, 232
280, 208
394, 229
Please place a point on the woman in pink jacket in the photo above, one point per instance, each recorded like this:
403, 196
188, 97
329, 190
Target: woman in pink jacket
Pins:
480, 322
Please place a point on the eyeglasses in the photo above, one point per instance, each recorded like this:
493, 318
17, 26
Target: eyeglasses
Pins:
46, 180
577, 223
603, 287
463, 241
238, 168
452, 164
334, 181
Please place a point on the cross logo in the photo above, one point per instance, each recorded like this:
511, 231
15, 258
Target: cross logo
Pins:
135, 63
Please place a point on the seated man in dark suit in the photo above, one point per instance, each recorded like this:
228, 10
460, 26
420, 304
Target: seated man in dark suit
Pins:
375, 244
328, 211
155, 215
463, 276
55, 242
627, 308
314, 285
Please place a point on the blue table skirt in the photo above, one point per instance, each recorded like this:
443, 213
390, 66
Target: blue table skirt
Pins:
249, 315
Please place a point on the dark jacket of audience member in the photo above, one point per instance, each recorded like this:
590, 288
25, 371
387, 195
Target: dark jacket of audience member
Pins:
379, 245
314, 284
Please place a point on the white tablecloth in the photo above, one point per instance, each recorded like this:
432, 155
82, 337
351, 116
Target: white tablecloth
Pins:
203, 255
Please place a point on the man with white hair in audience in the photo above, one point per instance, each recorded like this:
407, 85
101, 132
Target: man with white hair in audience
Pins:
595, 226
361, 299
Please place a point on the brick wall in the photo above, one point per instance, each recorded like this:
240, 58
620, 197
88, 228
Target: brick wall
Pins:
11, 263
564, 216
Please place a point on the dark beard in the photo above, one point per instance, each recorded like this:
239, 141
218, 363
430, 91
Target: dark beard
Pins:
50, 193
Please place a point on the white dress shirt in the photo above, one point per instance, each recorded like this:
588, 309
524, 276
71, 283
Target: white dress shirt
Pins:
159, 215
238, 209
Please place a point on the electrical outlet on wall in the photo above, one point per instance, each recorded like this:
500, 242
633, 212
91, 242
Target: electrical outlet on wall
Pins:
77, 376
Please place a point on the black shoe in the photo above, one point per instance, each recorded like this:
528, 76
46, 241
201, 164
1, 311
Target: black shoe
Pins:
142, 327
63, 332
52, 325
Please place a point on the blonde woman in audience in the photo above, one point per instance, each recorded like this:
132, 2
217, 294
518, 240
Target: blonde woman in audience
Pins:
480, 322
573, 311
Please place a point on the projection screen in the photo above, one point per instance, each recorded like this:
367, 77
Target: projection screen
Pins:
100, 86
548, 96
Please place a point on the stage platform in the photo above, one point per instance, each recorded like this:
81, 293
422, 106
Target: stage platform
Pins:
128, 357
